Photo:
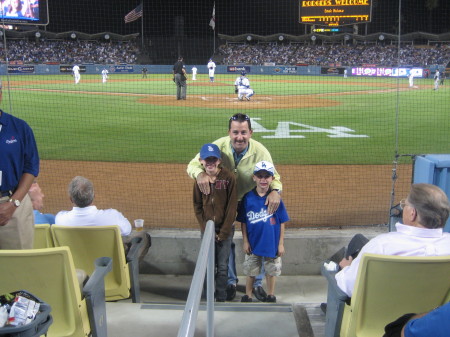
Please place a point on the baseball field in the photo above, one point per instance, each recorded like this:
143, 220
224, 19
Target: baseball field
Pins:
333, 139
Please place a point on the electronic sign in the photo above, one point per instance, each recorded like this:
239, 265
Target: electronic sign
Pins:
335, 12
31, 12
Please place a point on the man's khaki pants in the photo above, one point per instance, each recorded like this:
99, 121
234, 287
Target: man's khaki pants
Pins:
18, 233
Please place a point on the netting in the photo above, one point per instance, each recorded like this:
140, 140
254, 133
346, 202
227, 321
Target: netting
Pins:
336, 109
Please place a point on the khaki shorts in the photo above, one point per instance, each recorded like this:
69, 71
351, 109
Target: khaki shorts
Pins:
252, 265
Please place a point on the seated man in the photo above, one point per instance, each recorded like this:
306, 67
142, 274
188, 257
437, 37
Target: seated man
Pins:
84, 213
37, 199
425, 212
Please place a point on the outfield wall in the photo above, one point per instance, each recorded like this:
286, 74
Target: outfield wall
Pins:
47, 69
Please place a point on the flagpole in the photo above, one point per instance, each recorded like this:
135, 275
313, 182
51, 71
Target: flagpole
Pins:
142, 25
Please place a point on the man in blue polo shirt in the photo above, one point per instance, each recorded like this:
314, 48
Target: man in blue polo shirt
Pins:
19, 165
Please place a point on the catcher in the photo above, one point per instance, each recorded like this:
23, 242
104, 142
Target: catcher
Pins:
242, 87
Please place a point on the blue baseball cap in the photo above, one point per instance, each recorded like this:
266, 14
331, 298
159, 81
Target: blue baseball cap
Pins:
210, 150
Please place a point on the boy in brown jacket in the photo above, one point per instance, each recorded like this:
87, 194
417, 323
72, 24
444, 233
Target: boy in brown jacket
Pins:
219, 206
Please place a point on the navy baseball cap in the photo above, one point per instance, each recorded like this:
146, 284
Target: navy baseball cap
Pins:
210, 150
264, 166
243, 73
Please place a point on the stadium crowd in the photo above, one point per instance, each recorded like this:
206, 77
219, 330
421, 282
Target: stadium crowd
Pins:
69, 52
345, 55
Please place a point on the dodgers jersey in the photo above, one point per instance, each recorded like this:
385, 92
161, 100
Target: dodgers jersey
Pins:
263, 229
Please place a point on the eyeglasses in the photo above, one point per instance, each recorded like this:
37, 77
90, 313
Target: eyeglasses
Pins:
240, 117
262, 176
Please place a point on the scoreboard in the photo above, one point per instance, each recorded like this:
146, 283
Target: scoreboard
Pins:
335, 12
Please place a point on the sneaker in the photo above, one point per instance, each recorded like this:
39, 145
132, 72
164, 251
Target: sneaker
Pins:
231, 292
247, 98
245, 298
260, 294
323, 307
271, 299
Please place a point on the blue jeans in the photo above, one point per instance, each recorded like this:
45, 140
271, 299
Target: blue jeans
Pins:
222, 253
232, 277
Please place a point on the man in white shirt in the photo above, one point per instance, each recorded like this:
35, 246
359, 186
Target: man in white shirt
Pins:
425, 212
84, 213
194, 73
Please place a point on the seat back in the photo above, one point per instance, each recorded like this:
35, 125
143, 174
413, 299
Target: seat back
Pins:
87, 243
50, 275
42, 236
389, 286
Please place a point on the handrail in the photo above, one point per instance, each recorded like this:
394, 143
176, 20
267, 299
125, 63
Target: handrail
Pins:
205, 263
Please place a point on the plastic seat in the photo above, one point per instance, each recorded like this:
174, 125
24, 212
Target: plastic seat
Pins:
42, 236
49, 273
87, 243
386, 288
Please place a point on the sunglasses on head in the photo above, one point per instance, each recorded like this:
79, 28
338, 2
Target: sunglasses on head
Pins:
239, 117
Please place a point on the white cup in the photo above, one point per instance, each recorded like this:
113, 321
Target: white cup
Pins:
139, 224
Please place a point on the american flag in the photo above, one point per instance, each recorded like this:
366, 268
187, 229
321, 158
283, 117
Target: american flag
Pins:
212, 22
134, 14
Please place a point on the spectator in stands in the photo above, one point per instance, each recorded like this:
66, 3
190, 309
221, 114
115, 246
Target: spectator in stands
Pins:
433, 323
425, 212
84, 213
37, 199
219, 206
240, 153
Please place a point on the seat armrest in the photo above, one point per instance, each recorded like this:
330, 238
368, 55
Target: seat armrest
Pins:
94, 293
135, 244
133, 267
336, 300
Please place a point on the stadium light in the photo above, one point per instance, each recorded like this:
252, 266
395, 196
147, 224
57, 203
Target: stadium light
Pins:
281, 37
73, 36
106, 36
313, 38
249, 38
346, 37
37, 34
381, 37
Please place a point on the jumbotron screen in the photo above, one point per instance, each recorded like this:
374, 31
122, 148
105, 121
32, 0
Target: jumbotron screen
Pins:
335, 12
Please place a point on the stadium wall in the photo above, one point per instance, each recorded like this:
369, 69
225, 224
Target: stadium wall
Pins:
47, 69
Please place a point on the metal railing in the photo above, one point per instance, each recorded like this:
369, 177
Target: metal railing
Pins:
205, 263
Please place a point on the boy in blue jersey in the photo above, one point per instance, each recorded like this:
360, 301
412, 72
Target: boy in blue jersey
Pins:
262, 232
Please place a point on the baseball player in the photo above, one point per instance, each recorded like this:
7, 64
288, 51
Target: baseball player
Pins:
411, 79
76, 73
104, 75
211, 69
242, 87
194, 73
436, 80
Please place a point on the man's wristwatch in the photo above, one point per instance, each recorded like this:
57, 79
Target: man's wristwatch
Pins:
15, 202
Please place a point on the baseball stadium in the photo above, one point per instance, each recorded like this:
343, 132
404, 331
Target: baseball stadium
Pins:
347, 97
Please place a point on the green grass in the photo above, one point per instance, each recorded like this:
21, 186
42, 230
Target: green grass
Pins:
90, 121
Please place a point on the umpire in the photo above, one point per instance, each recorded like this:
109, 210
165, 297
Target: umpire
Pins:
179, 77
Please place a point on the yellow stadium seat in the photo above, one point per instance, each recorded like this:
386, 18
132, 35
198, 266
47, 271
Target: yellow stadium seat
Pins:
87, 243
49, 273
386, 288
42, 236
